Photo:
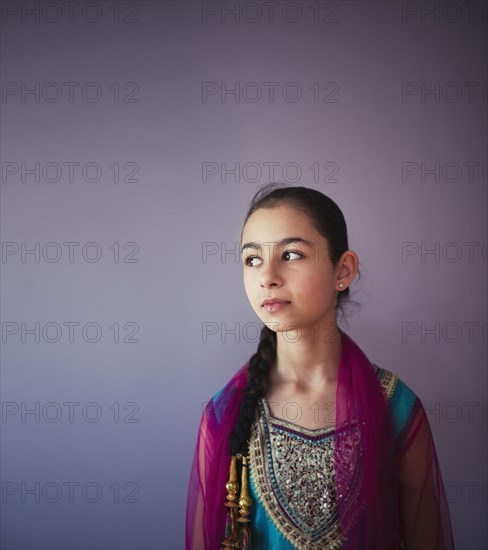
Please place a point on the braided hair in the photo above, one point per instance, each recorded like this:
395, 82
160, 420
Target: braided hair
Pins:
329, 221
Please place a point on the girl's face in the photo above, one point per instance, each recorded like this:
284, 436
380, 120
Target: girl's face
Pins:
285, 258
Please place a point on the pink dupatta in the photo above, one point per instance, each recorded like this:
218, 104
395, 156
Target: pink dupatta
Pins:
398, 500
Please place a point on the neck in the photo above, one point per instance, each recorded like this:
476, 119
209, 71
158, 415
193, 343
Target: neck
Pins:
308, 360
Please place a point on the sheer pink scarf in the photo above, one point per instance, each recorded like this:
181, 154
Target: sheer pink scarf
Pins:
388, 498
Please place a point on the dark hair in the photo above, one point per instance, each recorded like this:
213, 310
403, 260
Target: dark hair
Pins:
329, 221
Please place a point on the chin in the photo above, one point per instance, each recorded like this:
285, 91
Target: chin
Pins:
281, 325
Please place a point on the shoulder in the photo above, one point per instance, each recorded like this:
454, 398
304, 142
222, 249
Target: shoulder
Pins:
401, 398
387, 379
236, 383
228, 394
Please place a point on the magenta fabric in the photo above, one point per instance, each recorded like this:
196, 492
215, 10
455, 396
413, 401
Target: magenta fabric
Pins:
366, 506
388, 498
206, 513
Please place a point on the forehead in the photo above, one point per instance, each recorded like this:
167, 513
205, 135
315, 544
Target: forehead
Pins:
278, 222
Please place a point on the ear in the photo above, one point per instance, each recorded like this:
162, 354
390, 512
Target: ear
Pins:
347, 268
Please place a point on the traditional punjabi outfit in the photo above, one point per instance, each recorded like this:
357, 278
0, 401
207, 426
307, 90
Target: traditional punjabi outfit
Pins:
370, 482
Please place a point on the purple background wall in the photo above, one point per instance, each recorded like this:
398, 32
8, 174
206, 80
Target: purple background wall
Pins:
114, 343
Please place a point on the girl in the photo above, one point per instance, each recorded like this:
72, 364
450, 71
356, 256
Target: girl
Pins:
355, 467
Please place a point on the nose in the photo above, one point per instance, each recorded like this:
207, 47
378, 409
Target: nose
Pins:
269, 277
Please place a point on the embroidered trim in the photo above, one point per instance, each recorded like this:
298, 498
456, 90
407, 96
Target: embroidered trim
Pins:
387, 379
283, 500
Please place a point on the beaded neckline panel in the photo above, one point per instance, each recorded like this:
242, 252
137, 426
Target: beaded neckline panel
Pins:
292, 469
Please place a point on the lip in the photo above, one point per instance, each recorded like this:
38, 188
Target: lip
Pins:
273, 305
270, 301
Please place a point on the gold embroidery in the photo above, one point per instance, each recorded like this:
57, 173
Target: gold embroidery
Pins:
387, 379
292, 472
293, 475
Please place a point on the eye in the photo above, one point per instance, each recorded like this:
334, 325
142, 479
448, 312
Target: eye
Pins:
291, 255
252, 261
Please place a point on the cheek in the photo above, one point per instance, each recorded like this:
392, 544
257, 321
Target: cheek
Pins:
317, 288
248, 286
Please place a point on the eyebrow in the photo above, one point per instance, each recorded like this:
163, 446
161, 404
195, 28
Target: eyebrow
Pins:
283, 242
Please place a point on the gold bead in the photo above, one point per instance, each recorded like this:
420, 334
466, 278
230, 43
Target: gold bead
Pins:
245, 502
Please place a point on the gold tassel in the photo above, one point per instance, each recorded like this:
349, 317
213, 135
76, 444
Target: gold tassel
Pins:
231, 527
245, 502
237, 530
